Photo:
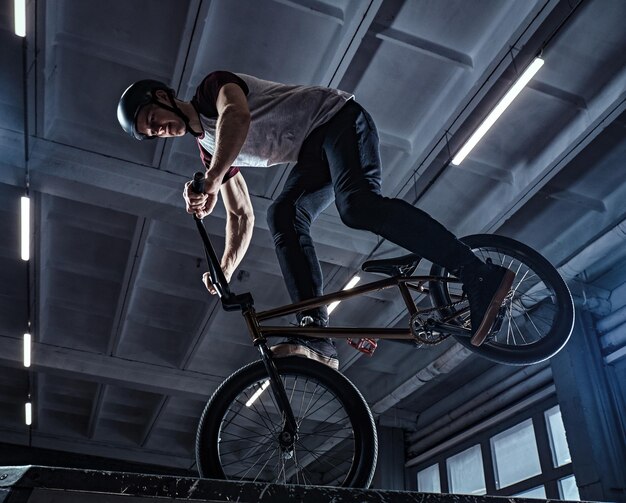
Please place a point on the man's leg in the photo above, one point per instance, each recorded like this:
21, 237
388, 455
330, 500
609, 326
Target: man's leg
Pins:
351, 146
307, 192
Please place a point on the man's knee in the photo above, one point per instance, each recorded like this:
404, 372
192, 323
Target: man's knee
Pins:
280, 215
361, 210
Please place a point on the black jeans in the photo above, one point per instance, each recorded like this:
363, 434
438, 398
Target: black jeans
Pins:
340, 160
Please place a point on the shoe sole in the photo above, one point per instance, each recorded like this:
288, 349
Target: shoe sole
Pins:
284, 350
492, 311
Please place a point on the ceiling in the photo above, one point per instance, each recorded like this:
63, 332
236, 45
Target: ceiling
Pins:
128, 344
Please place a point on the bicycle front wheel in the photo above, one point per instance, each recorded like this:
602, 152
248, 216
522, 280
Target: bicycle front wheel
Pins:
239, 433
538, 314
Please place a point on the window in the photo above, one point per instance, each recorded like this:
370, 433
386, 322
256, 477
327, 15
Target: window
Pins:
465, 472
527, 456
515, 455
535, 492
568, 489
428, 480
558, 441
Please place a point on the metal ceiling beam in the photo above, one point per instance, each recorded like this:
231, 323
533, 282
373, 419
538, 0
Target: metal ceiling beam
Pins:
110, 369
350, 42
136, 255
148, 428
423, 46
130, 275
154, 67
317, 8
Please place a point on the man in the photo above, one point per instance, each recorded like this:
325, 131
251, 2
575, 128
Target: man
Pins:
239, 120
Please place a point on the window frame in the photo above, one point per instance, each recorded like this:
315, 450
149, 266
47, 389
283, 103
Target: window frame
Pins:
548, 477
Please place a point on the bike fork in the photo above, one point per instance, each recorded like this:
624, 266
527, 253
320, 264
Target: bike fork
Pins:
289, 434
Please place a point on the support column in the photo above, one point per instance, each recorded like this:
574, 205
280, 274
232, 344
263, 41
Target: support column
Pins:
590, 415
390, 468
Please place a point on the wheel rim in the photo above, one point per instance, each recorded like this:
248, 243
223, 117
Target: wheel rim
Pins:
530, 312
252, 445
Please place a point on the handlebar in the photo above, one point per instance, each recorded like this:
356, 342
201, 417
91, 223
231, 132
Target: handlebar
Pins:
230, 301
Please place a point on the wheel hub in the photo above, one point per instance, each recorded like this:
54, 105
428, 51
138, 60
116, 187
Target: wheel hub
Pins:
286, 441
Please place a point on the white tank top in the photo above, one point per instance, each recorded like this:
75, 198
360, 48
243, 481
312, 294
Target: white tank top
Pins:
281, 117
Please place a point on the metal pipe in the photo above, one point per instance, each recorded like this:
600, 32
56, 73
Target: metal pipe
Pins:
484, 425
595, 252
615, 355
613, 340
503, 400
611, 321
482, 397
442, 365
585, 296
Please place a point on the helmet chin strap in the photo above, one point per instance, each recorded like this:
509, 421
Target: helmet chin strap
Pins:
176, 109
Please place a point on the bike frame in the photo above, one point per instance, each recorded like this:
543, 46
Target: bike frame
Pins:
258, 332
405, 285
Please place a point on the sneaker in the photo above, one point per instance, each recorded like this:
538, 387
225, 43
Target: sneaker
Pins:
486, 287
321, 350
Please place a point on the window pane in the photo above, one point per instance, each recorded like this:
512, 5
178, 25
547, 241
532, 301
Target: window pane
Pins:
515, 455
558, 441
568, 489
465, 472
536, 492
428, 480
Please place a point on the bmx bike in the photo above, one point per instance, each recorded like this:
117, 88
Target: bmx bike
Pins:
292, 420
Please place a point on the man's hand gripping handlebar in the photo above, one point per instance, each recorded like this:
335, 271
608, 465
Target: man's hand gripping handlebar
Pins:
230, 301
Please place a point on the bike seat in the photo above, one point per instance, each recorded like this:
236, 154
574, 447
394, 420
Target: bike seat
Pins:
397, 266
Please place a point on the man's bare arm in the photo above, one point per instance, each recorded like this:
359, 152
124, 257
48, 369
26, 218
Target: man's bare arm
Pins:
231, 129
239, 224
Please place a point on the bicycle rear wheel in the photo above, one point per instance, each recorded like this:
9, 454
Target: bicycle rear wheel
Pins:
238, 435
538, 314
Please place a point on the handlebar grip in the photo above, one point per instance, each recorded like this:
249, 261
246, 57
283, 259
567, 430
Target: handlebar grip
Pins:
197, 185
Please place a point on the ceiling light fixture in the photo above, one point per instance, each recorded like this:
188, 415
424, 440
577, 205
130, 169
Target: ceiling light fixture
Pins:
20, 17
502, 105
27, 345
28, 410
351, 283
25, 221
257, 393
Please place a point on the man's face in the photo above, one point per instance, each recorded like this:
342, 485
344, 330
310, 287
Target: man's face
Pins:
153, 120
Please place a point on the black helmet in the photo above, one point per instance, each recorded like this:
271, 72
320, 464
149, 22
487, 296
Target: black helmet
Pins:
136, 96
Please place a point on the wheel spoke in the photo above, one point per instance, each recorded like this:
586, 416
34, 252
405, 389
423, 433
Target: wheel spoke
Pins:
537, 312
249, 447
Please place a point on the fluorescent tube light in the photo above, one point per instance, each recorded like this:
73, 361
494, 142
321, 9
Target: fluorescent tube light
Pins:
502, 105
27, 345
25, 221
29, 413
351, 283
257, 393
19, 7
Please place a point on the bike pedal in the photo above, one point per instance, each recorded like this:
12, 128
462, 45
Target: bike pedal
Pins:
364, 345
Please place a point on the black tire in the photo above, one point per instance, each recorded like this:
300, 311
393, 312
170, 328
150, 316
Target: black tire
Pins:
539, 316
230, 435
